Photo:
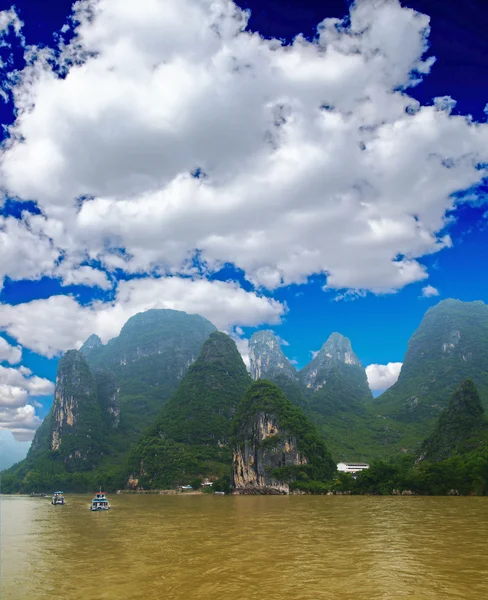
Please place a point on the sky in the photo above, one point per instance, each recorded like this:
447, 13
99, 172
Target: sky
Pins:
302, 166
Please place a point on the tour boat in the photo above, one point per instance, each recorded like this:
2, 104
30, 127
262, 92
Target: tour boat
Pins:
100, 502
58, 498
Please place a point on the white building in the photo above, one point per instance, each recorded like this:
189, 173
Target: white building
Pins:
351, 467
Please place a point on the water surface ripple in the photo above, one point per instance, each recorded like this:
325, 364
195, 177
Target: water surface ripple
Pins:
245, 548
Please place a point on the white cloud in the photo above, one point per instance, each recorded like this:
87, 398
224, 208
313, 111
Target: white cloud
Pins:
10, 20
17, 388
58, 323
8, 353
23, 253
429, 291
381, 377
12, 396
22, 378
22, 422
28, 251
156, 90
87, 276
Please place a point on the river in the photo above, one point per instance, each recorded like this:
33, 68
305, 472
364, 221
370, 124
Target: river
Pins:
245, 548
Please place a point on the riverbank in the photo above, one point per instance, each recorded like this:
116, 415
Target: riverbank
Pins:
163, 492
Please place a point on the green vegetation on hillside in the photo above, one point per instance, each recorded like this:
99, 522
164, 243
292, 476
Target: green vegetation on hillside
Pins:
454, 458
141, 369
76, 419
459, 427
149, 358
190, 436
333, 392
267, 398
75, 437
187, 420
450, 345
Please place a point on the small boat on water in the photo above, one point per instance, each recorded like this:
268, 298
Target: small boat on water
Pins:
100, 502
58, 498
37, 495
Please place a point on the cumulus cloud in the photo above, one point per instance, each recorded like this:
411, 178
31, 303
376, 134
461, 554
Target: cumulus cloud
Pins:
429, 291
166, 128
8, 353
87, 276
55, 324
381, 377
9, 20
18, 387
28, 251
23, 253
22, 422
22, 378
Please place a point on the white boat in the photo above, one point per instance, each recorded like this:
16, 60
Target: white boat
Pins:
100, 501
58, 498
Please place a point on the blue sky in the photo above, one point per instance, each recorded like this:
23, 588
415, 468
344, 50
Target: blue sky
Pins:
168, 158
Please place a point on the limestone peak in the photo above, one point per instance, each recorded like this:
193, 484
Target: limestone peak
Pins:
267, 359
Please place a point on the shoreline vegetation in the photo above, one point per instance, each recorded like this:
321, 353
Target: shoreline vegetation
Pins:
294, 492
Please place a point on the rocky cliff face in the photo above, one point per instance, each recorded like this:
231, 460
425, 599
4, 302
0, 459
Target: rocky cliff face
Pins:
107, 395
266, 448
76, 420
336, 352
267, 360
85, 409
335, 379
274, 444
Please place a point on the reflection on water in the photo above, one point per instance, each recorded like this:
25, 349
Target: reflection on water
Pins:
245, 548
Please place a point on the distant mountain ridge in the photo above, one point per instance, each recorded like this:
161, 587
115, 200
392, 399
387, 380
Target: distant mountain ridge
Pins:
107, 395
450, 345
332, 389
148, 360
158, 400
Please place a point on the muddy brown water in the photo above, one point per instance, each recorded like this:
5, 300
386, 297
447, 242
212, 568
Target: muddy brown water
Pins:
245, 548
